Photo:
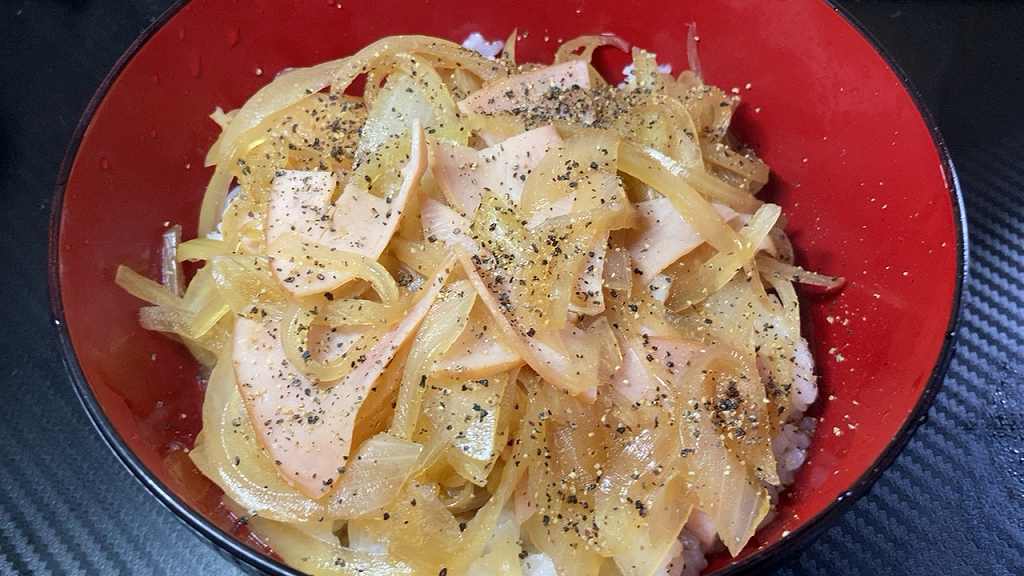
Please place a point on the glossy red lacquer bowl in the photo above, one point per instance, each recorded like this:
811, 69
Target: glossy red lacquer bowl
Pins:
868, 187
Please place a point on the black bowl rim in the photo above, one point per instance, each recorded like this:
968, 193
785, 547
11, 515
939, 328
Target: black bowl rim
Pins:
758, 561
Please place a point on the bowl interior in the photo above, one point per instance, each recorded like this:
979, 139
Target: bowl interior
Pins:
854, 167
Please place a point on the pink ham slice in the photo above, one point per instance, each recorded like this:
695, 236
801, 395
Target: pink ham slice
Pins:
300, 203
442, 224
480, 350
358, 222
521, 89
465, 175
306, 427
302, 426
662, 236
634, 379
456, 170
551, 354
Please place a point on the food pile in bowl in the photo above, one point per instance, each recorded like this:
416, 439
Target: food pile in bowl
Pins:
491, 317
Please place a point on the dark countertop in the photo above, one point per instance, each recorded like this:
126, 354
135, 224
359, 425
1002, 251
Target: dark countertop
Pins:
952, 504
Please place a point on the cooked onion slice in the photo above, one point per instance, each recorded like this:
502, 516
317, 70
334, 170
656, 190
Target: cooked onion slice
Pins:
508, 93
307, 427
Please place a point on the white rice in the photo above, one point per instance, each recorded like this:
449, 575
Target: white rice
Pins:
660, 287
627, 72
790, 447
477, 43
539, 564
805, 383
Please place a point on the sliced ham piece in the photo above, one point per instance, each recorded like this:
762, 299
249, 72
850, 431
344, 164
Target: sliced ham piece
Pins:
632, 380
553, 355
302, 426
507, 165
358, 222
300, 203
442, 224
456, 170
479, 352
305, 426
521, 89
465, 175
662, 236
635, 380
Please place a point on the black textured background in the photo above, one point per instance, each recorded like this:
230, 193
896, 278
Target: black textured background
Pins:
952, 504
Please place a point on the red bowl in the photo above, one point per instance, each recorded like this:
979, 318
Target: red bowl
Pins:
858, 167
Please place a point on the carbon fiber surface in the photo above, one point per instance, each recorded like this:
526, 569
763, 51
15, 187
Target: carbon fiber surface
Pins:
953, 502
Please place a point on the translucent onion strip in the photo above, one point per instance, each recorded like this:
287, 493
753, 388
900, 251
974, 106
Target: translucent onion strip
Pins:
296, 326
531, 435
696, 210
345, 266
191, 317
358, 312
248, 286
202, 249
374, 476
725, 488
688, 290
145, 289
779, 269
318, 558
582, 47
441, 327
662, 173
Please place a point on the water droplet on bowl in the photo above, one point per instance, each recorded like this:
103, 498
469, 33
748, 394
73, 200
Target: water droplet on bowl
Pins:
104, 163
232, 35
